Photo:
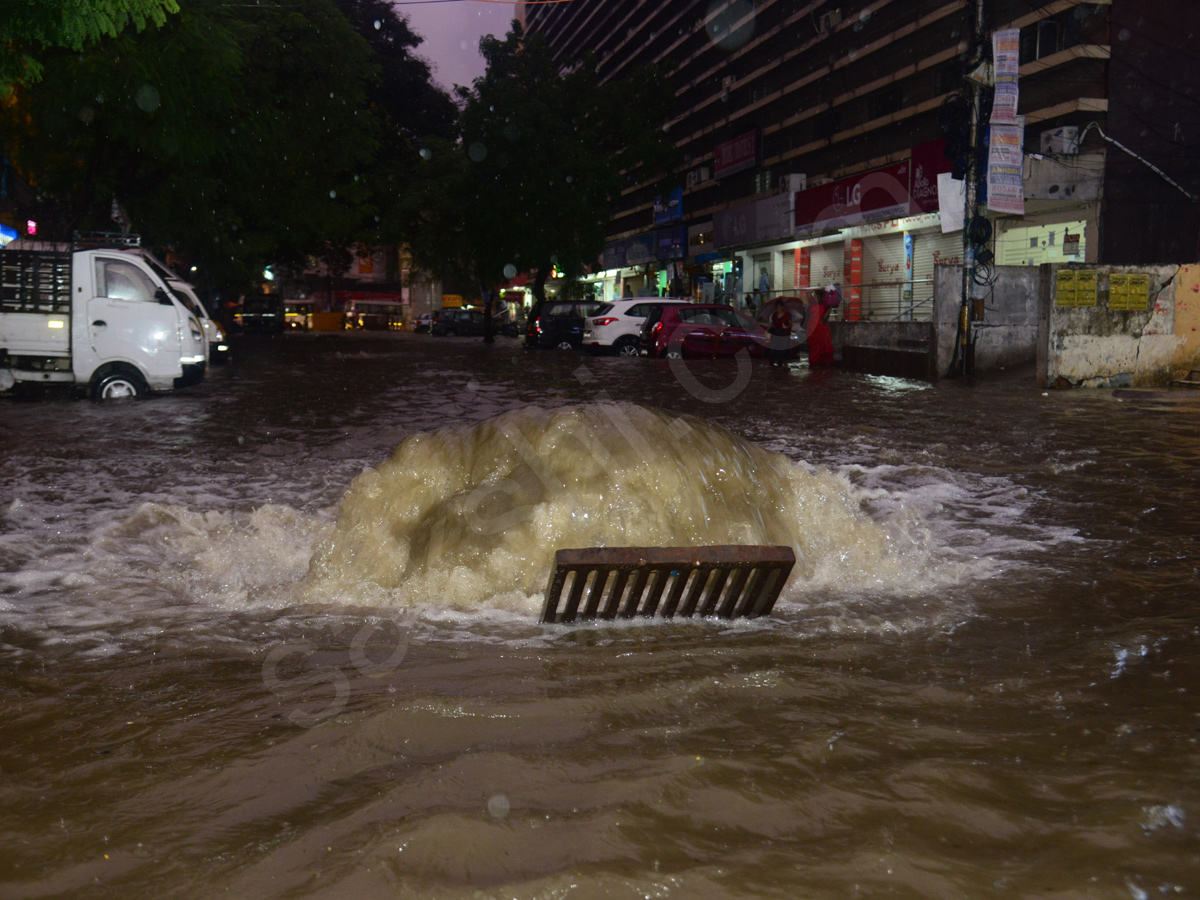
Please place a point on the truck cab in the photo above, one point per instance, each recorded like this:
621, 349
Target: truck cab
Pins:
101, 320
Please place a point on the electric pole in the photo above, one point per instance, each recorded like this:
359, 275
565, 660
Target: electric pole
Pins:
977, 82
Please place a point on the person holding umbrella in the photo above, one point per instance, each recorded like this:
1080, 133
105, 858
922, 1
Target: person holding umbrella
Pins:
820, 340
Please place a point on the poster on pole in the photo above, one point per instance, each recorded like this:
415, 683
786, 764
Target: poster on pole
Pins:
1006, 168
1006, 57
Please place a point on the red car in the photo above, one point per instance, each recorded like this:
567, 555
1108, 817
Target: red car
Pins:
706, 330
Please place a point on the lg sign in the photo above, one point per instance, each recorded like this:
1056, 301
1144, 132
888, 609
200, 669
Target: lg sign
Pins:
879, 194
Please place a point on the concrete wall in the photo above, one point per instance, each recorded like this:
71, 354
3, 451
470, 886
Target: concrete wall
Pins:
1095, 344
1187, 321
1007, 333
901, 349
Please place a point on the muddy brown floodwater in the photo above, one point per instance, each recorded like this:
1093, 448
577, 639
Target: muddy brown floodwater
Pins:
982, 680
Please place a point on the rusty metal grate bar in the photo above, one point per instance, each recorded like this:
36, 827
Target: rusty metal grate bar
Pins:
729, 581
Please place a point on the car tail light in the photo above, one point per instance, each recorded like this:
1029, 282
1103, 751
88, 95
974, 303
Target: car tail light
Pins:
605, 321
657, 328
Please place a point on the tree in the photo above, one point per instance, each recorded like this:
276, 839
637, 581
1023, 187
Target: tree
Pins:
410, 110
541, 157
29, 26
238, 134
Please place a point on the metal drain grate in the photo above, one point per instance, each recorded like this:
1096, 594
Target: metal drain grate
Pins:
728, 581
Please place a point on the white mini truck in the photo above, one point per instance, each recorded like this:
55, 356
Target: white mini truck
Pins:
100, 320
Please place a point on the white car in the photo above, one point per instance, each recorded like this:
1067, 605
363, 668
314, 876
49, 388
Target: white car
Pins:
617, 325
423, 323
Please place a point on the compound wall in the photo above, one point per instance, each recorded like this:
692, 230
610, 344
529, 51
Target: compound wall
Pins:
1117, 326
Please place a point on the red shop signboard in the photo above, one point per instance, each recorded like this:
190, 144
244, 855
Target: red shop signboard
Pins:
869, 197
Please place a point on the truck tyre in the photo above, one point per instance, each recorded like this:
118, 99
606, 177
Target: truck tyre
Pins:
118, 384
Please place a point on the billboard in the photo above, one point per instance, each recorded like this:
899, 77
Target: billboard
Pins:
879, 194
737, 155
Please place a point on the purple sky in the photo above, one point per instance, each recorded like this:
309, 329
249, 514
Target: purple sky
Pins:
452, 31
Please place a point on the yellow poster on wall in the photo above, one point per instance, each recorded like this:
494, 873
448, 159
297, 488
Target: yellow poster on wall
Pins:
1118, 290
1138, 296
1128, 291
1086, 287
1064, 293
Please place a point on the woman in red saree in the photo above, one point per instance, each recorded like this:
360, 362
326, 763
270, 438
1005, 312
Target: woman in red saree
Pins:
816, 324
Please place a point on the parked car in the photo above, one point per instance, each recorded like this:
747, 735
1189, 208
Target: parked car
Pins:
705, 330
452, 322
423, 323
558, 324
616, 326
262, 314
469, 321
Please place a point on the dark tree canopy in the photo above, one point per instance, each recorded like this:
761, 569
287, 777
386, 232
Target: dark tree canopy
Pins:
238, 134
29, 26
542, 156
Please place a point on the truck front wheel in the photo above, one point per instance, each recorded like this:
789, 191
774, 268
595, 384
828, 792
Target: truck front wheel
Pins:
118, 385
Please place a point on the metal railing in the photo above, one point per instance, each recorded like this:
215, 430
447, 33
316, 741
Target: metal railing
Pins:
882, 301
885, 301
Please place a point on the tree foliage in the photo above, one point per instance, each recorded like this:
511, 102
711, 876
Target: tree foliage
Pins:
29, 26
542, 156
239, 134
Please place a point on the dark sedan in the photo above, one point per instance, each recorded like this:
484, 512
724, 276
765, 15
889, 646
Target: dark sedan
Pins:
558, 324
468, 322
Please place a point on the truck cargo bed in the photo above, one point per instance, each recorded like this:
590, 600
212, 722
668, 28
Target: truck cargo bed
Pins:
35, 281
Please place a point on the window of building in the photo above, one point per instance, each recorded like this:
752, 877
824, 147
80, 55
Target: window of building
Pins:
1084, 24
947, 77
885, 102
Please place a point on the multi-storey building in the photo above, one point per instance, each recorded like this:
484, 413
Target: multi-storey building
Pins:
812, 138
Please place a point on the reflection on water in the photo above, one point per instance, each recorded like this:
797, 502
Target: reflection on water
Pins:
233, 662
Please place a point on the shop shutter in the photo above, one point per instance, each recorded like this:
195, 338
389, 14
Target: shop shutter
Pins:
931, 248
883, 270
789, 272
826, 264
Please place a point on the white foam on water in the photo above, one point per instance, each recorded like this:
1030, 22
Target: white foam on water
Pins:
459, 526
470, 516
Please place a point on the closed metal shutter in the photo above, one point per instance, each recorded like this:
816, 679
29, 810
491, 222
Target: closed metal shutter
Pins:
883, 273
789, 272
932, 248
827, 265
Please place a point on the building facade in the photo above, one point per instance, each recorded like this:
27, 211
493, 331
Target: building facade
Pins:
812, 135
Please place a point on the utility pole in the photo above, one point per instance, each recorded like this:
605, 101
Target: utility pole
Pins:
977, 81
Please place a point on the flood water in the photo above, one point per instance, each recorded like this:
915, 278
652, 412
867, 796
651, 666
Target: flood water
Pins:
218, 678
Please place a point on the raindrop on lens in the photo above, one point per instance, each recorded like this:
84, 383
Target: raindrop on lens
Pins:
333, 195
498, 806
378, 24
147, 98
426, 153
510, 271
733, 26
477, 152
